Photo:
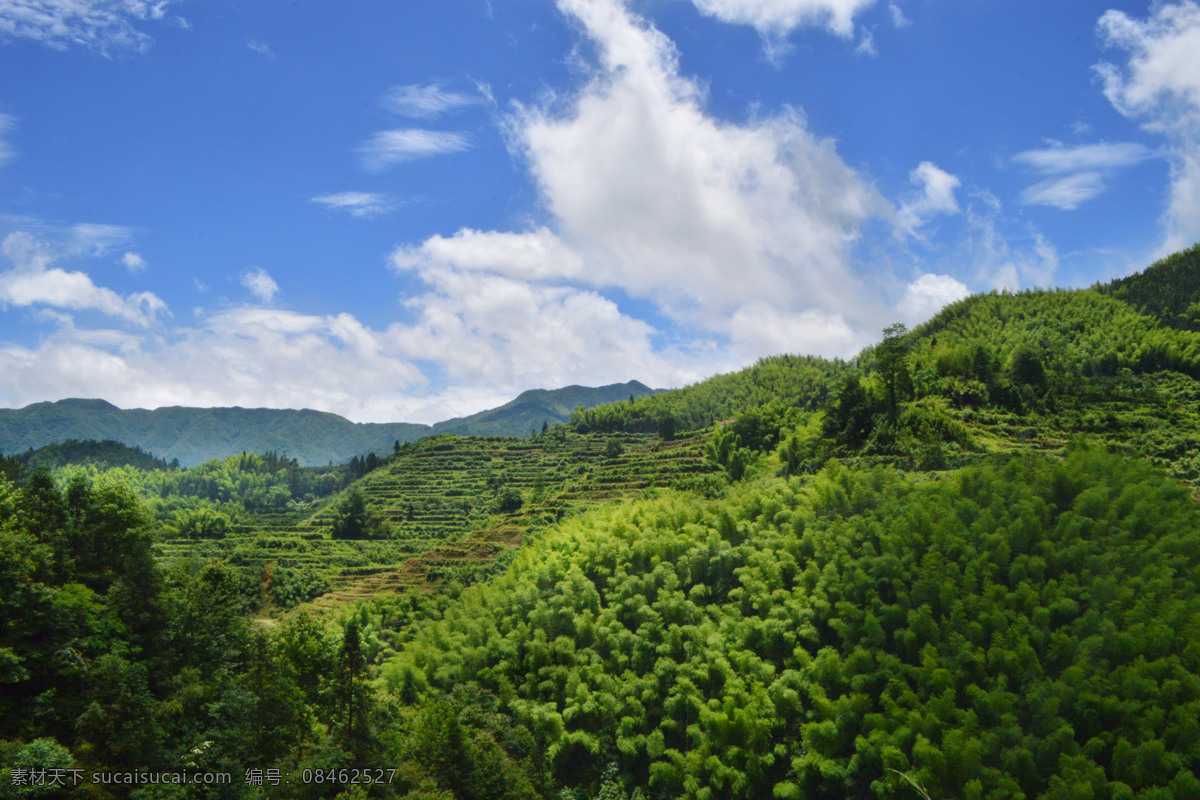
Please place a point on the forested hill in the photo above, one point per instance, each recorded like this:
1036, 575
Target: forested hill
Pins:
536, 407
313, 438
196, 435
1170, 290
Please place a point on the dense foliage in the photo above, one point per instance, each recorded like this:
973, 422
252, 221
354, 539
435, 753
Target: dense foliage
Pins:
783, 382
1018, 630
1169, 290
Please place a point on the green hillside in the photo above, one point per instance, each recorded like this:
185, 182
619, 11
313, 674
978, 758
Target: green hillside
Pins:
964, 564
1169, 290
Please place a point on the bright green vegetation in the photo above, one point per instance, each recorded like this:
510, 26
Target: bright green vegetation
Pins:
999, 633
966, 562
780, 382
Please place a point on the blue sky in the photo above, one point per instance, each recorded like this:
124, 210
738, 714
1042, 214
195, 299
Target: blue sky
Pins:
412, 211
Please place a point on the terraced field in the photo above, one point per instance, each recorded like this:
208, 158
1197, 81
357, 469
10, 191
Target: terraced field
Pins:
444, 499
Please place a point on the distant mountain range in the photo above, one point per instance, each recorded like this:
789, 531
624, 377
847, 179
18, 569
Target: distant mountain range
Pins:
195, 435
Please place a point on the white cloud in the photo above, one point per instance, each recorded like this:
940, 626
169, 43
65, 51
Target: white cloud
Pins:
261, 48
133, 262
387, 148
487, 329
866, 47
1005, 260
260, 284
536, 255
898, 18
1079, 171
673, 205
936, 196
927, 295
741, 232
425, 101
1103, 155
33, 282
358, 204
491, 336
1160, 85
7, 124
775, 19
251, 357
101, 25
759, 329
1067, 193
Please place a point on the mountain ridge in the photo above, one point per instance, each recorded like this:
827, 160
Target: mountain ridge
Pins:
194, 435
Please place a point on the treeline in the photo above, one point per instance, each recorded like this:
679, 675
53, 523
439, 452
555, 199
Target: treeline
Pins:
799, 382
204, 501
1168, 290
1022, 629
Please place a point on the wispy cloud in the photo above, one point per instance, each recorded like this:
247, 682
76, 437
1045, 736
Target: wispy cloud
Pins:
1058, 159
7, 125
260, 284
261, 48
425, 101
133, 262
1078, 172
358, 204
898, 18
936, 196
387, 148
101, 25
1067, 193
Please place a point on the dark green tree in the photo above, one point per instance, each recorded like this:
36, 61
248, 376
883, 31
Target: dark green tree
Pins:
892, 363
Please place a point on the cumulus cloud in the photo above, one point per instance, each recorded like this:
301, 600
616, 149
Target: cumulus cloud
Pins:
536, 255
260, 284
250, 357
928, 295
775, 19
936, 196
357, 204
488, 329
491, 336
33, 281
101, 25
425, 101
740, 232
758, 328
1160, 85
388, 148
